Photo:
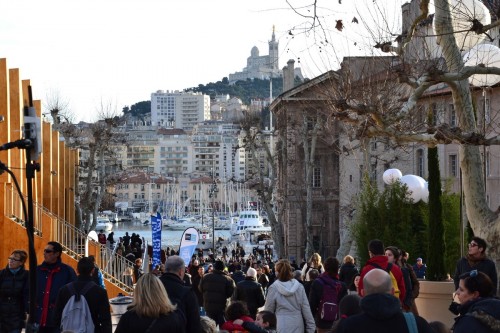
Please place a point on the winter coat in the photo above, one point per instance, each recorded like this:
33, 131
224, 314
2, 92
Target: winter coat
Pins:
50, 279
288, 301
253, 328
307, 268
185, 299
97, 299
238, 276
216, 287
381, 260
232, 327
316, 294
481, 315
14, 292
485, 265
347, 273
420, 270
250, 292
130, 322
381, 314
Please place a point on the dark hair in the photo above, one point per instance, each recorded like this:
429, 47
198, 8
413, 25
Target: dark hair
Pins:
56, 246
313, 274
268, 317
219, 265
85, 266
376, 247
395, 252
439, 327
235, 310
331, 265
480, 243
478, 281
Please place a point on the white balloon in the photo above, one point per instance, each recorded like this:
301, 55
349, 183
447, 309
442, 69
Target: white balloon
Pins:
391, 176
415, 186
462, 13
488, 55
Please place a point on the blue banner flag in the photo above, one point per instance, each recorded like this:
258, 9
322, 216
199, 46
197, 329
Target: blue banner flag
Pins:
156, 239
189, 242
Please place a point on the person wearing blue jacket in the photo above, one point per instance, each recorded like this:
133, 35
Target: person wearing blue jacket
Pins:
51, 276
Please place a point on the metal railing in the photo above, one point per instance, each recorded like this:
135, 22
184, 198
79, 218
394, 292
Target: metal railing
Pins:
114, 267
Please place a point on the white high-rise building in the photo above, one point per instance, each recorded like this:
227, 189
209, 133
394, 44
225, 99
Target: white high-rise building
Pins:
178, 109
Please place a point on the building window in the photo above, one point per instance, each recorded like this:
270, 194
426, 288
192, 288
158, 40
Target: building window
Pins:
373, 172
374, 145
434, 114
453, 116
453, 165
316, 177
420, 162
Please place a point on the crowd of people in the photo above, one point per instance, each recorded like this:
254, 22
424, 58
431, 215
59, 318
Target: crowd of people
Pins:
254, 294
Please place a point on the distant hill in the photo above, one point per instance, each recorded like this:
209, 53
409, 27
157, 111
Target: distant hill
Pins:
244, 90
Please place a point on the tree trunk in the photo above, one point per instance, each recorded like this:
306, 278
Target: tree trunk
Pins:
484, 222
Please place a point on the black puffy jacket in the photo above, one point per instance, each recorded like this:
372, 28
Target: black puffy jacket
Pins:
250, 292
14, 292
481, 315
216, 288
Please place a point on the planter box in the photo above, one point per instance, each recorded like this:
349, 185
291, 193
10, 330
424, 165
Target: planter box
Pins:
434, 300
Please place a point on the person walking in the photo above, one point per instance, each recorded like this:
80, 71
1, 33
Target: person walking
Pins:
287, 299
216, 288
14, 292
250, 292
476, 260
326, 288
51, 276
314, 262
151, 310
348, 271
420, 268
181, 295
96, 297
378, 259
381, 311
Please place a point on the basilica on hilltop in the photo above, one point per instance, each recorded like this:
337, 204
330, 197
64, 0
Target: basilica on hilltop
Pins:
262, 67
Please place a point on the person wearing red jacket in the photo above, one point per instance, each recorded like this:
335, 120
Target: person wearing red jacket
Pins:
379, 260
236, 310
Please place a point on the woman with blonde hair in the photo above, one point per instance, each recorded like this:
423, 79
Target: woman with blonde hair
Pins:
314, 262
287, 299
347, 272
151, 310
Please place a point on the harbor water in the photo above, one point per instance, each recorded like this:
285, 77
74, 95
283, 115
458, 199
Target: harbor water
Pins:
169, 238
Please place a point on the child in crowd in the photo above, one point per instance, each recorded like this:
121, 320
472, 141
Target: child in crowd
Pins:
236, 310
265, 323
208, 325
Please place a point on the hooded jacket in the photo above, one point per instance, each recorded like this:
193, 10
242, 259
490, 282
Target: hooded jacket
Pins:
381, 314
250, 292
382, 262
480, 316
289, 302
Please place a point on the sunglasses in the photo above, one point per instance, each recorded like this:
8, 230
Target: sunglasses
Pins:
14, 259
472, 244
48, 251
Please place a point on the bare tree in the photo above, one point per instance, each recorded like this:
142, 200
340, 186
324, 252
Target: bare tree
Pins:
419, 68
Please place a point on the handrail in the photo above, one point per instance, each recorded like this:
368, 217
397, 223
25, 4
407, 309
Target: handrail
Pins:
114, 267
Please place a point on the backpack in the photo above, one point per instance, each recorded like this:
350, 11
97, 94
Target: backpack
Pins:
76, 315
393, 278
329, 304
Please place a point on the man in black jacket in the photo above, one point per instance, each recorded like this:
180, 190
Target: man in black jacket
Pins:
216, 287
250, 292
96, 297
180, 294
381, 309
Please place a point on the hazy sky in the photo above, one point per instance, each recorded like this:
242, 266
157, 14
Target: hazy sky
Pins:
119, 52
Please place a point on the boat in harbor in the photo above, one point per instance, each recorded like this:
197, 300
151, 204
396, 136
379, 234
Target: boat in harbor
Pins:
247, 219
183, 224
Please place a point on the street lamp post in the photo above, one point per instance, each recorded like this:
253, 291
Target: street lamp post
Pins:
213, 190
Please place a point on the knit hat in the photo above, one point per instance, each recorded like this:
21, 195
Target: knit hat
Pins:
251, 272
349, 305
219, 265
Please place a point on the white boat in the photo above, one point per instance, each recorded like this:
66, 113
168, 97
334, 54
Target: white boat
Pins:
183, 224
103, 223
246, 219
